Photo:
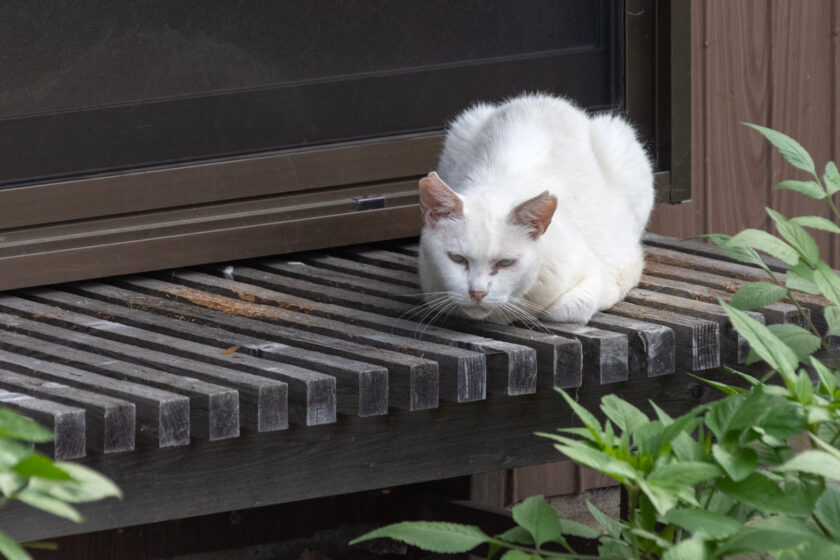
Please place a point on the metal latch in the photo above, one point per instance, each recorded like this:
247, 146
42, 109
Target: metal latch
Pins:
373, 202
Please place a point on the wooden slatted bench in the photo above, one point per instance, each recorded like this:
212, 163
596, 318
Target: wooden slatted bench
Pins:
281, 379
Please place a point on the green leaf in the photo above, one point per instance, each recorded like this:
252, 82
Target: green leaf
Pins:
801, 278
763, 241
816, 462
585, 416
757, 294
574, 529
796, 235
816, 222
831, 177
519, 555
86, 485
539, 519
625, 415
40, 466
11, 550
827, 511
760, 492
50, 504
612, 526
517, 535
801, 341
434, 536
710, 524
792, 151
771, 534
663, 499
826, 377
16, 426
828, 282
767, 345
740, 254
684, 473
598, 460
738, 464
808, 188
615, 549
689, 549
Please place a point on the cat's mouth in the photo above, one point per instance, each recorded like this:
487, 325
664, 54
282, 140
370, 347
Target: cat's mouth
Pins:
476, 311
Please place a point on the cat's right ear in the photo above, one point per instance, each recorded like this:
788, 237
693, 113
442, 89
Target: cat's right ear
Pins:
438, 201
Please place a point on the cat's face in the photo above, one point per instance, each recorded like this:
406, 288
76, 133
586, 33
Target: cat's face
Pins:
480, 258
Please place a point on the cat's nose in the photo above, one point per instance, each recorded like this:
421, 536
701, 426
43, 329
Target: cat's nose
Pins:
478, 295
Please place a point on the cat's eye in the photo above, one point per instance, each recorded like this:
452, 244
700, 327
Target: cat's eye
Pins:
458, 259
505, 263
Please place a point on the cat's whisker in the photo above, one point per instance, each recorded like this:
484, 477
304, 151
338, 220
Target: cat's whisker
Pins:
431, 312
446, 308
417, 309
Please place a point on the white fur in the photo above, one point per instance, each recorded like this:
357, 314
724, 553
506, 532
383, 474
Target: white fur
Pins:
496, 157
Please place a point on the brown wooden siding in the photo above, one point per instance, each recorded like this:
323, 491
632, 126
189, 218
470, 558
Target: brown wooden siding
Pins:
770, 62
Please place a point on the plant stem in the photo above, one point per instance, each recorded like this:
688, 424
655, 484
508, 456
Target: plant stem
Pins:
833, 209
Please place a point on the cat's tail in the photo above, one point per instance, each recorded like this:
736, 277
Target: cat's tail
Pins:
623, 162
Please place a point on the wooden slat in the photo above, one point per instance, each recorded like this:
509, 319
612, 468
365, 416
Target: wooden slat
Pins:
269, 394
362, 389
109, 422
311, 395
214, 410
381, 257
66, 422
462, 372
651, 346
697, 340
407, 279
604, 353
511, 369
724, 276
775, 313
703, 250
734, 347
163, 417
413, 381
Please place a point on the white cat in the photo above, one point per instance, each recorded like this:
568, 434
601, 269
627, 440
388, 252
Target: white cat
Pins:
538, 210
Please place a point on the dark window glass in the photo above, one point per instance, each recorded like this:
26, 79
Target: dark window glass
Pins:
91, 86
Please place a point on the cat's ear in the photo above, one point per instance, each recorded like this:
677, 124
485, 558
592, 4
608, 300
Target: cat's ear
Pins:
535, 214
438, 201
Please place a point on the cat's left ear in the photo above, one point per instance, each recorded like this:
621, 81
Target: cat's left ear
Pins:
535, 214
438, 201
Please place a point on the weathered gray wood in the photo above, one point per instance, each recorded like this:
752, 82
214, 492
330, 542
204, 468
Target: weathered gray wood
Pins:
559, 359
511, 369
272, 391
697, 341
361, 388
66, 422
109, 422
413, 381
704, 250
410, 248
604, 352
462, 372
734, 347
380, 257
651, 346
774, 313
407, 279
163, 417
214, 410
329, 277
354, 455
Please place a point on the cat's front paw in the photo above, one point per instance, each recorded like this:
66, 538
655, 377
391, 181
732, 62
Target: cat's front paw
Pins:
570, 312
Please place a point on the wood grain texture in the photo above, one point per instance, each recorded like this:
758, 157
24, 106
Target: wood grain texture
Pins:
66, 422
266, 395
213, 412
604, 352
651, 346
349, 456
109, 422
802, 100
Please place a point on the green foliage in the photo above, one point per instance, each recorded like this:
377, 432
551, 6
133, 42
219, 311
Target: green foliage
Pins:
36, 480
722, 479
